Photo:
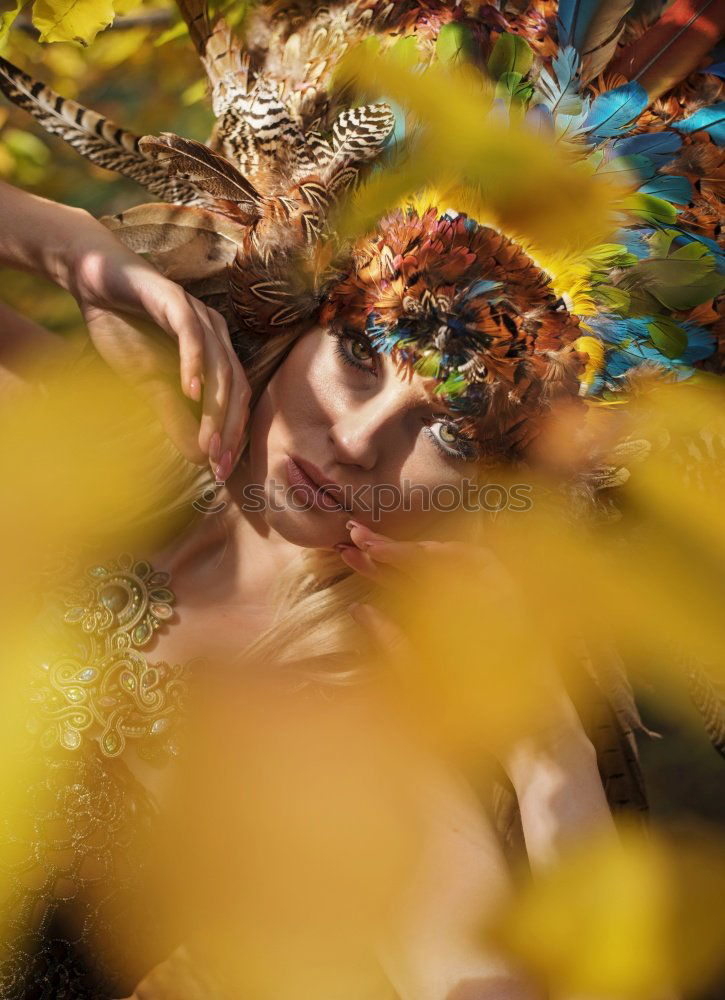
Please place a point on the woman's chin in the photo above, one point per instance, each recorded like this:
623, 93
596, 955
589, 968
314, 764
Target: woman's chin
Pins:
310, 529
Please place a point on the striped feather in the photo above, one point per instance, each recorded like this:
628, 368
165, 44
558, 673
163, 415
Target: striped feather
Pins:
97, 138
205, 170
359, 134
707, 690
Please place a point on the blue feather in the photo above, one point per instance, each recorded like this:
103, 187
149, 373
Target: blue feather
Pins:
716, 69
633, 346
673, 189
636, 240
660, 147
561, 92
701, 343
615, 110
574, 19
710, 120
642, 164
479, 287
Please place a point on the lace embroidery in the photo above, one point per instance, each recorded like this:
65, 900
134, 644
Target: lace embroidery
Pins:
77, 920
100, 685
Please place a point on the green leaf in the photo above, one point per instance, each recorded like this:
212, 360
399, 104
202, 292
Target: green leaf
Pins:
71, 20
511, 54
668, 337
175, 31
9, 10
454, 41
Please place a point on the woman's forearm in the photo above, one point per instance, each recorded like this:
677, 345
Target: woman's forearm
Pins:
37, 235
560, 793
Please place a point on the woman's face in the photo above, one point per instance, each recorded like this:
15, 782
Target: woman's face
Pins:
337, 415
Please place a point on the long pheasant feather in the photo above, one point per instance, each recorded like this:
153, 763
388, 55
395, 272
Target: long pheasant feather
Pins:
97, 138
673, 47
206, 170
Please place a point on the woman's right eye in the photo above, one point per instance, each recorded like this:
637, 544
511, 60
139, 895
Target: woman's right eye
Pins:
356, 352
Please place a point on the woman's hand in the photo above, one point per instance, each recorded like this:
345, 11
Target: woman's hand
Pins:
119, 293
134, 315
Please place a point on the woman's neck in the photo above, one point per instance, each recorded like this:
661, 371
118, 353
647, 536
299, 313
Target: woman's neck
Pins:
233, 556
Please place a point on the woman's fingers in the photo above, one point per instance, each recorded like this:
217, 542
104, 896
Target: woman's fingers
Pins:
237, 414
363, 564
171, 309
217, 386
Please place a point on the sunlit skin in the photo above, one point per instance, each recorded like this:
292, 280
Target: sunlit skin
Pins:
338, 404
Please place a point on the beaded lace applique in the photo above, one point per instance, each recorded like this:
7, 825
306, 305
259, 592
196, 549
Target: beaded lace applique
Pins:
100, 685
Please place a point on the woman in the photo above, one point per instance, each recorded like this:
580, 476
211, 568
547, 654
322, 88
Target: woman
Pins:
335, 400
335, 413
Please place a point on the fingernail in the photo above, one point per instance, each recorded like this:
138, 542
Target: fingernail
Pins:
353, 524
215, 444
225, 467
195, 389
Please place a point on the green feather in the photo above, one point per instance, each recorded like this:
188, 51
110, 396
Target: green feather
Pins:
511, 54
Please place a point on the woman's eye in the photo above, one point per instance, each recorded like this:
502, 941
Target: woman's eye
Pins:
449, 439
356, 353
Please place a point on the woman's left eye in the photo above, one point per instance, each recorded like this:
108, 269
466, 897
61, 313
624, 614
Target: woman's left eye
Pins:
356, 352
449, 439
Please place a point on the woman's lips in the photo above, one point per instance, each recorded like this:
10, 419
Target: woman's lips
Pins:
318, 496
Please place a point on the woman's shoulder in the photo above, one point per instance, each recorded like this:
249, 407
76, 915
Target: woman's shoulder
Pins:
92, 679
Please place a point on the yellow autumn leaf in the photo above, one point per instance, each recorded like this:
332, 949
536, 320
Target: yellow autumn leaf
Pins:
72, 20
630, 918
9, 10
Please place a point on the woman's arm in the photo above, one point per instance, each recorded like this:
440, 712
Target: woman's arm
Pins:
559, 790
434, 948
124, 300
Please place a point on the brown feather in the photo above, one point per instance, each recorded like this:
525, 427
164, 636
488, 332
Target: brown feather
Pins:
202, 167
673, 47
185, 244
602, 36
707, 690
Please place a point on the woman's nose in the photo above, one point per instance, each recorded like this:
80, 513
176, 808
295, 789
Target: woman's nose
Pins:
370, 428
